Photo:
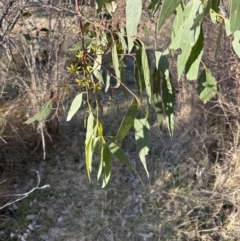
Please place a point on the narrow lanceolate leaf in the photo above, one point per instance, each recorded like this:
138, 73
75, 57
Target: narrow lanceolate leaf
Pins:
119, 154
192, 65
236, 42
154, 6
91, 135
100, 151
206, 8
161, 62
127, 121
168, 97
207, 86
42, 114
142, 137
188, 35
138, 72
178, 20
146, 72
116, 63
76, 104
235, 15
133, 16
106, 158
168, 8
142, 72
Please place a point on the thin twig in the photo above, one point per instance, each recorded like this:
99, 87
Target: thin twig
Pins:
26, 194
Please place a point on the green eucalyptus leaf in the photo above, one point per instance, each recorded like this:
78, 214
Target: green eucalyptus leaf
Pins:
133, 16
236, 42
115, 61
234, 15
90, 142
106, 158
119, 154
142, 137
127, 122
76, 104
207, 86
42, 114
192, 65
168, 7
168, 98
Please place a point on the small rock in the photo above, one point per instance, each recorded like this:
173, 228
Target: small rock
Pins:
65, 212
60, 219
31, 217
30, 226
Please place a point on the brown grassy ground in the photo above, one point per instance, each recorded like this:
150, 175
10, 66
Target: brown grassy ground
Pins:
192, 193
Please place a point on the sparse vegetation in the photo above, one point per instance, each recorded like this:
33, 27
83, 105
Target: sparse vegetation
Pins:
74, 81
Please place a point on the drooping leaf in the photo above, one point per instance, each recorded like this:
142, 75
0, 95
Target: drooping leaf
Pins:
133, 16
195, 57
154, 6
178, 20
199, 18
235, 15
42, 114
168, 98
119, 154
116, 63
106, 80
138, 72
161, 62
127, 121
122, 39
146, 72
100, 155
142, 72
168, 7
76, 104
188, 35
142, 137
207, 86
106, 158
236, 43
91, 135
98, 76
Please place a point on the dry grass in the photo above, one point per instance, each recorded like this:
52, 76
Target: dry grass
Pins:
192, 193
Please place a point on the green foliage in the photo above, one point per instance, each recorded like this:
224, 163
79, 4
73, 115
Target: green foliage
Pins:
207, 86
101, 37
133, 15
235, 15
76, 104
142, 137
42, 114
168, 7
127, 121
